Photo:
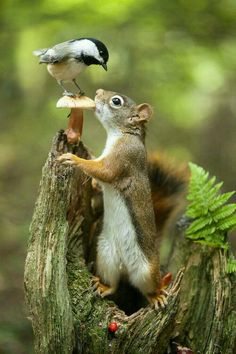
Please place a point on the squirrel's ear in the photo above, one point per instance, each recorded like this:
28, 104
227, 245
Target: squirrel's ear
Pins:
145, 112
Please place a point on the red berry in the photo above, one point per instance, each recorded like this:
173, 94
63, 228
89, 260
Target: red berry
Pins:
113, 326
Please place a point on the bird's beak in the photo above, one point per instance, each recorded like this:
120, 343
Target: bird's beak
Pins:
104, 65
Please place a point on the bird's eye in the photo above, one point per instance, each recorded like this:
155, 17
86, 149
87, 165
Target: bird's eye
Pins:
116, 101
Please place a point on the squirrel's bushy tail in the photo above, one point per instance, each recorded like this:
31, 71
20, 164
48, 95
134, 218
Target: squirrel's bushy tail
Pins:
168, 186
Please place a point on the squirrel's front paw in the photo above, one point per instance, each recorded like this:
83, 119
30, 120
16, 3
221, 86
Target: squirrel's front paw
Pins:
68, 159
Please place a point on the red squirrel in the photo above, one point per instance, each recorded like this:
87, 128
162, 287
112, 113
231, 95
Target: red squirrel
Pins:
128, 243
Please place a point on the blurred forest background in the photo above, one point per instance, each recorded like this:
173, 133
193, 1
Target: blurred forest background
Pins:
180, 56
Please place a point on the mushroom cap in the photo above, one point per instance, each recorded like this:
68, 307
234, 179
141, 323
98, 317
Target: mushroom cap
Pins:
81, 102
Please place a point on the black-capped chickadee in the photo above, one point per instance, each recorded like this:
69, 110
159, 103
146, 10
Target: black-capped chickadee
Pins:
68, 59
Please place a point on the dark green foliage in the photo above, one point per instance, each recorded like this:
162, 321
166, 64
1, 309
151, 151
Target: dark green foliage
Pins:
212, 217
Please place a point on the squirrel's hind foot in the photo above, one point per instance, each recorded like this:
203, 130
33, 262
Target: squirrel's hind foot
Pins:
159, 299
101, 289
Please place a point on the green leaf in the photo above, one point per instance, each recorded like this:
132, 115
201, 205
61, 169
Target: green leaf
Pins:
196, 210
221, 200
214, 243
227, 223
212, 218
199, 224
231, 266
224, 211
202, 233
214, 190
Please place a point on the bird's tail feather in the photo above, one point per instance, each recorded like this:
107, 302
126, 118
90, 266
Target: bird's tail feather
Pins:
39, 52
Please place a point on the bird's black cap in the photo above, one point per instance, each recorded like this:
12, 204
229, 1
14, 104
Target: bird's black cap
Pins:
101, 47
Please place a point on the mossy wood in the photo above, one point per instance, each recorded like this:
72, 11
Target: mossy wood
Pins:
66, 315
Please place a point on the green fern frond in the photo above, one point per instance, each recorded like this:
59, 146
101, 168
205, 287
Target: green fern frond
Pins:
227, 224
216, 244
202, 234
231, 266
224, 211
220, 200
212, 218
199, 224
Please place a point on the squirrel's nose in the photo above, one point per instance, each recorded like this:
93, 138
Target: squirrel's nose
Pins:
99, 92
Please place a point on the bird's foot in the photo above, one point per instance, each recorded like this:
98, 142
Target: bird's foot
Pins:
101, 289
69, 94
81, 93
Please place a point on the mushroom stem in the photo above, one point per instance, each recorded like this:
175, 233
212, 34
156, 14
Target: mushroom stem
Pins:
75, 126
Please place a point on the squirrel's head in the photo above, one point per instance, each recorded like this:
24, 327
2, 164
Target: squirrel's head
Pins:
118, 111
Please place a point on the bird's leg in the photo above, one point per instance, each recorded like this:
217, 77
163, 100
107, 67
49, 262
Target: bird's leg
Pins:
80, 91
65, 93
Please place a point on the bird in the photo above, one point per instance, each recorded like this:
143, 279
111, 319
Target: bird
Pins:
68, 59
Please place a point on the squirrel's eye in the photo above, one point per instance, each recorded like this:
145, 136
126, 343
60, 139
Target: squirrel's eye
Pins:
116, 101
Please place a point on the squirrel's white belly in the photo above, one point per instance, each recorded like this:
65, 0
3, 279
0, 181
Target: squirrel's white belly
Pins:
118, 250
66, 71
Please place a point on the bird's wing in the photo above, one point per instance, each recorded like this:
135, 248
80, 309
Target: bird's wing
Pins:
56, 54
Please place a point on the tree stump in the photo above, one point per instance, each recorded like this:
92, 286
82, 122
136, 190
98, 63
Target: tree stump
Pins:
68, 317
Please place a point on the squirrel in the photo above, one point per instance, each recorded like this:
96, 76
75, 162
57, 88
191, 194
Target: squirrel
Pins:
128, 245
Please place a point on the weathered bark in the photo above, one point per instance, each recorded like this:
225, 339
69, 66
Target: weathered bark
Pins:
65, 313
45, 270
